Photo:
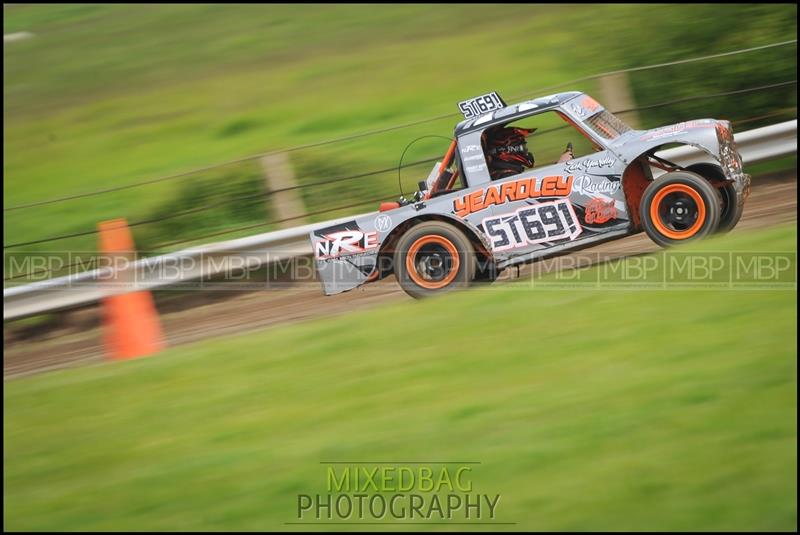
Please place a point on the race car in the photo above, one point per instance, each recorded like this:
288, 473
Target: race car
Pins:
466, 225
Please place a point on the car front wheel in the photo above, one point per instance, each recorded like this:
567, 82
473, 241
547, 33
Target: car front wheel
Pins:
679, 207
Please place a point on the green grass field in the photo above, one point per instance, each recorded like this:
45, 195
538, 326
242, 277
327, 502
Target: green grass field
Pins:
588, 409
110, 95
117, 94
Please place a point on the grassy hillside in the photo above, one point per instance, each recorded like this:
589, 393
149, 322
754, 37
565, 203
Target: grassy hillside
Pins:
587, 409
104, 96
122, 93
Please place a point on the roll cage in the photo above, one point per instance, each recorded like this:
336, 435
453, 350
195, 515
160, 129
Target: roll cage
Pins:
577, 109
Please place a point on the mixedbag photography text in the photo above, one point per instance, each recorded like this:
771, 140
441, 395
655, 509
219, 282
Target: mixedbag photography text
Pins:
398, 492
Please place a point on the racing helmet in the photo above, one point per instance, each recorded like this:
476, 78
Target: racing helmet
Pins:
507, 151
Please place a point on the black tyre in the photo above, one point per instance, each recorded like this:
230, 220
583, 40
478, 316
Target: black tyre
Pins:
433, 258
485, 271
679, 207
730, 211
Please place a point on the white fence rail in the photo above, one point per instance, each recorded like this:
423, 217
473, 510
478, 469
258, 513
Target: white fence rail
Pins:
190, 264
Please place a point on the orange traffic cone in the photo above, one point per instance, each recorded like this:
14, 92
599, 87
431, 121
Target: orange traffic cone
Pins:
131, 325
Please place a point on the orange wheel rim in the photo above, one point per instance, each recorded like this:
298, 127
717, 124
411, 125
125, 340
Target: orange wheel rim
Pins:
666, 212
432, 243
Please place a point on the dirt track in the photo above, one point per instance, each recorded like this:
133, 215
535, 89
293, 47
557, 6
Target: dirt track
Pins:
76, 340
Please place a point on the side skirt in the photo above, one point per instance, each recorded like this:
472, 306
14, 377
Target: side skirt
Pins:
557, 250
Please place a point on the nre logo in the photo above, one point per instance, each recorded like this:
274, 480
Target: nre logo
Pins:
345, 242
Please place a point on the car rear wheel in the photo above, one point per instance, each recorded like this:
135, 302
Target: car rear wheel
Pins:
679, 207
433, 258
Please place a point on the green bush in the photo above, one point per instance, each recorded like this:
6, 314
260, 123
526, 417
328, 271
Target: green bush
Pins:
224, 198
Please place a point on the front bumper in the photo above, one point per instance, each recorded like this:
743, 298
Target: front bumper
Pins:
731, 162
742, 185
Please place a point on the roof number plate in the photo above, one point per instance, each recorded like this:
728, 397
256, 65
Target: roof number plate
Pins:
480, 105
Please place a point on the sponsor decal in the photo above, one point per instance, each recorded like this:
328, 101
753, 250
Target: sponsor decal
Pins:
590, 104
599, 211
577, 166
585, 107
539, 223
476, 168
591, 185
577, 109
514, 190
675, 129
466, 149
345, 242
383, 223
473, 158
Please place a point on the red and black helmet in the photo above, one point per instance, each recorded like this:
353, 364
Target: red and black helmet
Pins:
507, 151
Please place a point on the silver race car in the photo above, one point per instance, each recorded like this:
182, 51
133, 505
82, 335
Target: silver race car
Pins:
489, 205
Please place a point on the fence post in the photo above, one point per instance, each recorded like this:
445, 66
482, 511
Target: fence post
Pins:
616, 94
278, 175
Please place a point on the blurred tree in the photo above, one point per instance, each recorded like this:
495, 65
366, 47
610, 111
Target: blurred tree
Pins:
638, 36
